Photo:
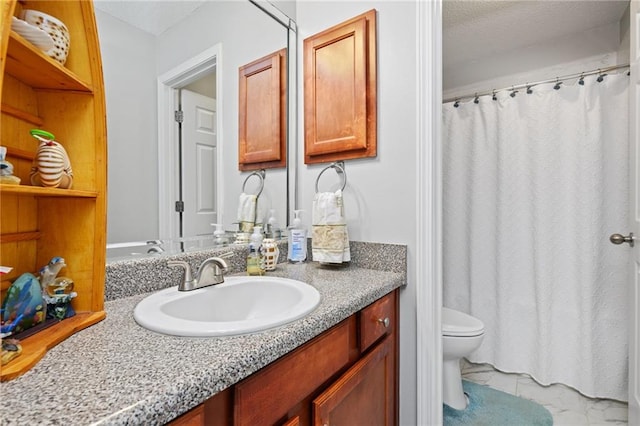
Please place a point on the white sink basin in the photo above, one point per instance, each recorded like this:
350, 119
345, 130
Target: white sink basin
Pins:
240, 305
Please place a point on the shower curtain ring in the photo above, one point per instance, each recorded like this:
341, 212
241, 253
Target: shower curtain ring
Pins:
494, 97
529, 91
558, 83
477, 99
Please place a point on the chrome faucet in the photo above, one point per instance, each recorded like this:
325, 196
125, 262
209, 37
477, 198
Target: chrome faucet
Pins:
209, 273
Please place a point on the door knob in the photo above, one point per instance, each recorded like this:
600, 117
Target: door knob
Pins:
619, 239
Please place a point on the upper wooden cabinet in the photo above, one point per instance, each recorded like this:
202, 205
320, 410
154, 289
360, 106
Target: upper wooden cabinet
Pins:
262, 132
340, 91
39, 223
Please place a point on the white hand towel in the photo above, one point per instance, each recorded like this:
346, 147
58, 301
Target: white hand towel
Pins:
247, 206
330, 242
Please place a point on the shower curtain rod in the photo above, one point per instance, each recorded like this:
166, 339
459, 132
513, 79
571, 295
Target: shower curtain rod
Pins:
557, 80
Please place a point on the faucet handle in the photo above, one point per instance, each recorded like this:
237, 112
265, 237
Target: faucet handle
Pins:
226, 255
187, 269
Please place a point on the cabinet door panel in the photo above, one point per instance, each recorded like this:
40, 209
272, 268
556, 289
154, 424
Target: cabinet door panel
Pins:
340, 91
262, 138
364, 395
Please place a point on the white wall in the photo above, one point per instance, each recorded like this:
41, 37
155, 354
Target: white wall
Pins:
379, 198
589, 50
129, 69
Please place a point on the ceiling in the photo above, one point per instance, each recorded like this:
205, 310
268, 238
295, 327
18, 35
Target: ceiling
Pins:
154, 17
476, 28
471, 28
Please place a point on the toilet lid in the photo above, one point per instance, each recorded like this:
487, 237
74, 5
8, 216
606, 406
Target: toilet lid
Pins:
456, 323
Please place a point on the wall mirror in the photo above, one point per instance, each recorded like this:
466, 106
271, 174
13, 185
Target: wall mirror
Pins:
153, 53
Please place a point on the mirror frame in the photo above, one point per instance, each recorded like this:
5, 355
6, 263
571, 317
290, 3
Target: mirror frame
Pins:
292, 101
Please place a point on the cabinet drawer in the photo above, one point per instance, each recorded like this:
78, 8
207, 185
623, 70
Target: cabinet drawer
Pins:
377, 320
267, 395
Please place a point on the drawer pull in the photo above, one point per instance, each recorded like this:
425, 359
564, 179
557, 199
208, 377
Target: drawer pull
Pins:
384, 321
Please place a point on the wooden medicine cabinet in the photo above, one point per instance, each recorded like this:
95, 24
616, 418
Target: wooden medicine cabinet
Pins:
262, 142
340, 112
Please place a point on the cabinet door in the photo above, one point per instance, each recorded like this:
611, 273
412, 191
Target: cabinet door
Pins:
262, 115
364, 395
340, 91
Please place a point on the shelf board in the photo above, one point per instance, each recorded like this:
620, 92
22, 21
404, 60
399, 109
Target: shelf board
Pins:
36, 346
20, 236
22, 115
39, 191
31, 66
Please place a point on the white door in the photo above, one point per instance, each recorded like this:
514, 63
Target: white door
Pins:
199, 175
634, 198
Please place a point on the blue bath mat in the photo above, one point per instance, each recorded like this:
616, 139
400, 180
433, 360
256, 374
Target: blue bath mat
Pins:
490, 407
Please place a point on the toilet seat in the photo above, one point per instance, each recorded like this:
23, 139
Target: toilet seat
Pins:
459, 324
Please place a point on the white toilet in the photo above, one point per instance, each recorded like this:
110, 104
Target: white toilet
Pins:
461, 335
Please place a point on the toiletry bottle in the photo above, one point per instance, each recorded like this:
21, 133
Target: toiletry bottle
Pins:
272, 225
219, 238
297, 240
255, 265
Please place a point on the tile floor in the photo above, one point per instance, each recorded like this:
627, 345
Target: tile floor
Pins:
567, 406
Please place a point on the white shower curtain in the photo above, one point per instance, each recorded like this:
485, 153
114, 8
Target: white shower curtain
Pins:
533, 187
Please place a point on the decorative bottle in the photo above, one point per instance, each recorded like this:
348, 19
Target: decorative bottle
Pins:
270, 254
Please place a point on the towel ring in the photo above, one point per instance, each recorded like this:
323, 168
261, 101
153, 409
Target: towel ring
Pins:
261, 174
339, 167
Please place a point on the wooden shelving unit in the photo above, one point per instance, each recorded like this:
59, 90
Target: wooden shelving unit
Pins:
39, 223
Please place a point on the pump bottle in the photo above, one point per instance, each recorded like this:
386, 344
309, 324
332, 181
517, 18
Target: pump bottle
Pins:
220, 239
255, 264
297, 240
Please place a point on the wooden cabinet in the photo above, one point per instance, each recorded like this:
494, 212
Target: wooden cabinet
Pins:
262, 142
332, 379
340, 111
39, 223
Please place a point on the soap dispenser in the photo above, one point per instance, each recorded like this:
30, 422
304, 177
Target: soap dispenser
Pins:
297, 240
219, 238
272, 230
255, 264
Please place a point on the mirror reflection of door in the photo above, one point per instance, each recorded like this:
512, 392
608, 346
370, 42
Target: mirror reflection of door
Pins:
198, 174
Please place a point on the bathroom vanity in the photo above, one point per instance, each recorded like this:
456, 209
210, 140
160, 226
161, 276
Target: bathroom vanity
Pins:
346, 375
117, 372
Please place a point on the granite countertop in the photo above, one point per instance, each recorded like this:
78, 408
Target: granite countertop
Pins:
116, 372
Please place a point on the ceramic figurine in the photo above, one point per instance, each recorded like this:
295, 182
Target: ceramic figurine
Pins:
51, 166
49, 272
23, 306
57, 291
10, 349
6, 169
